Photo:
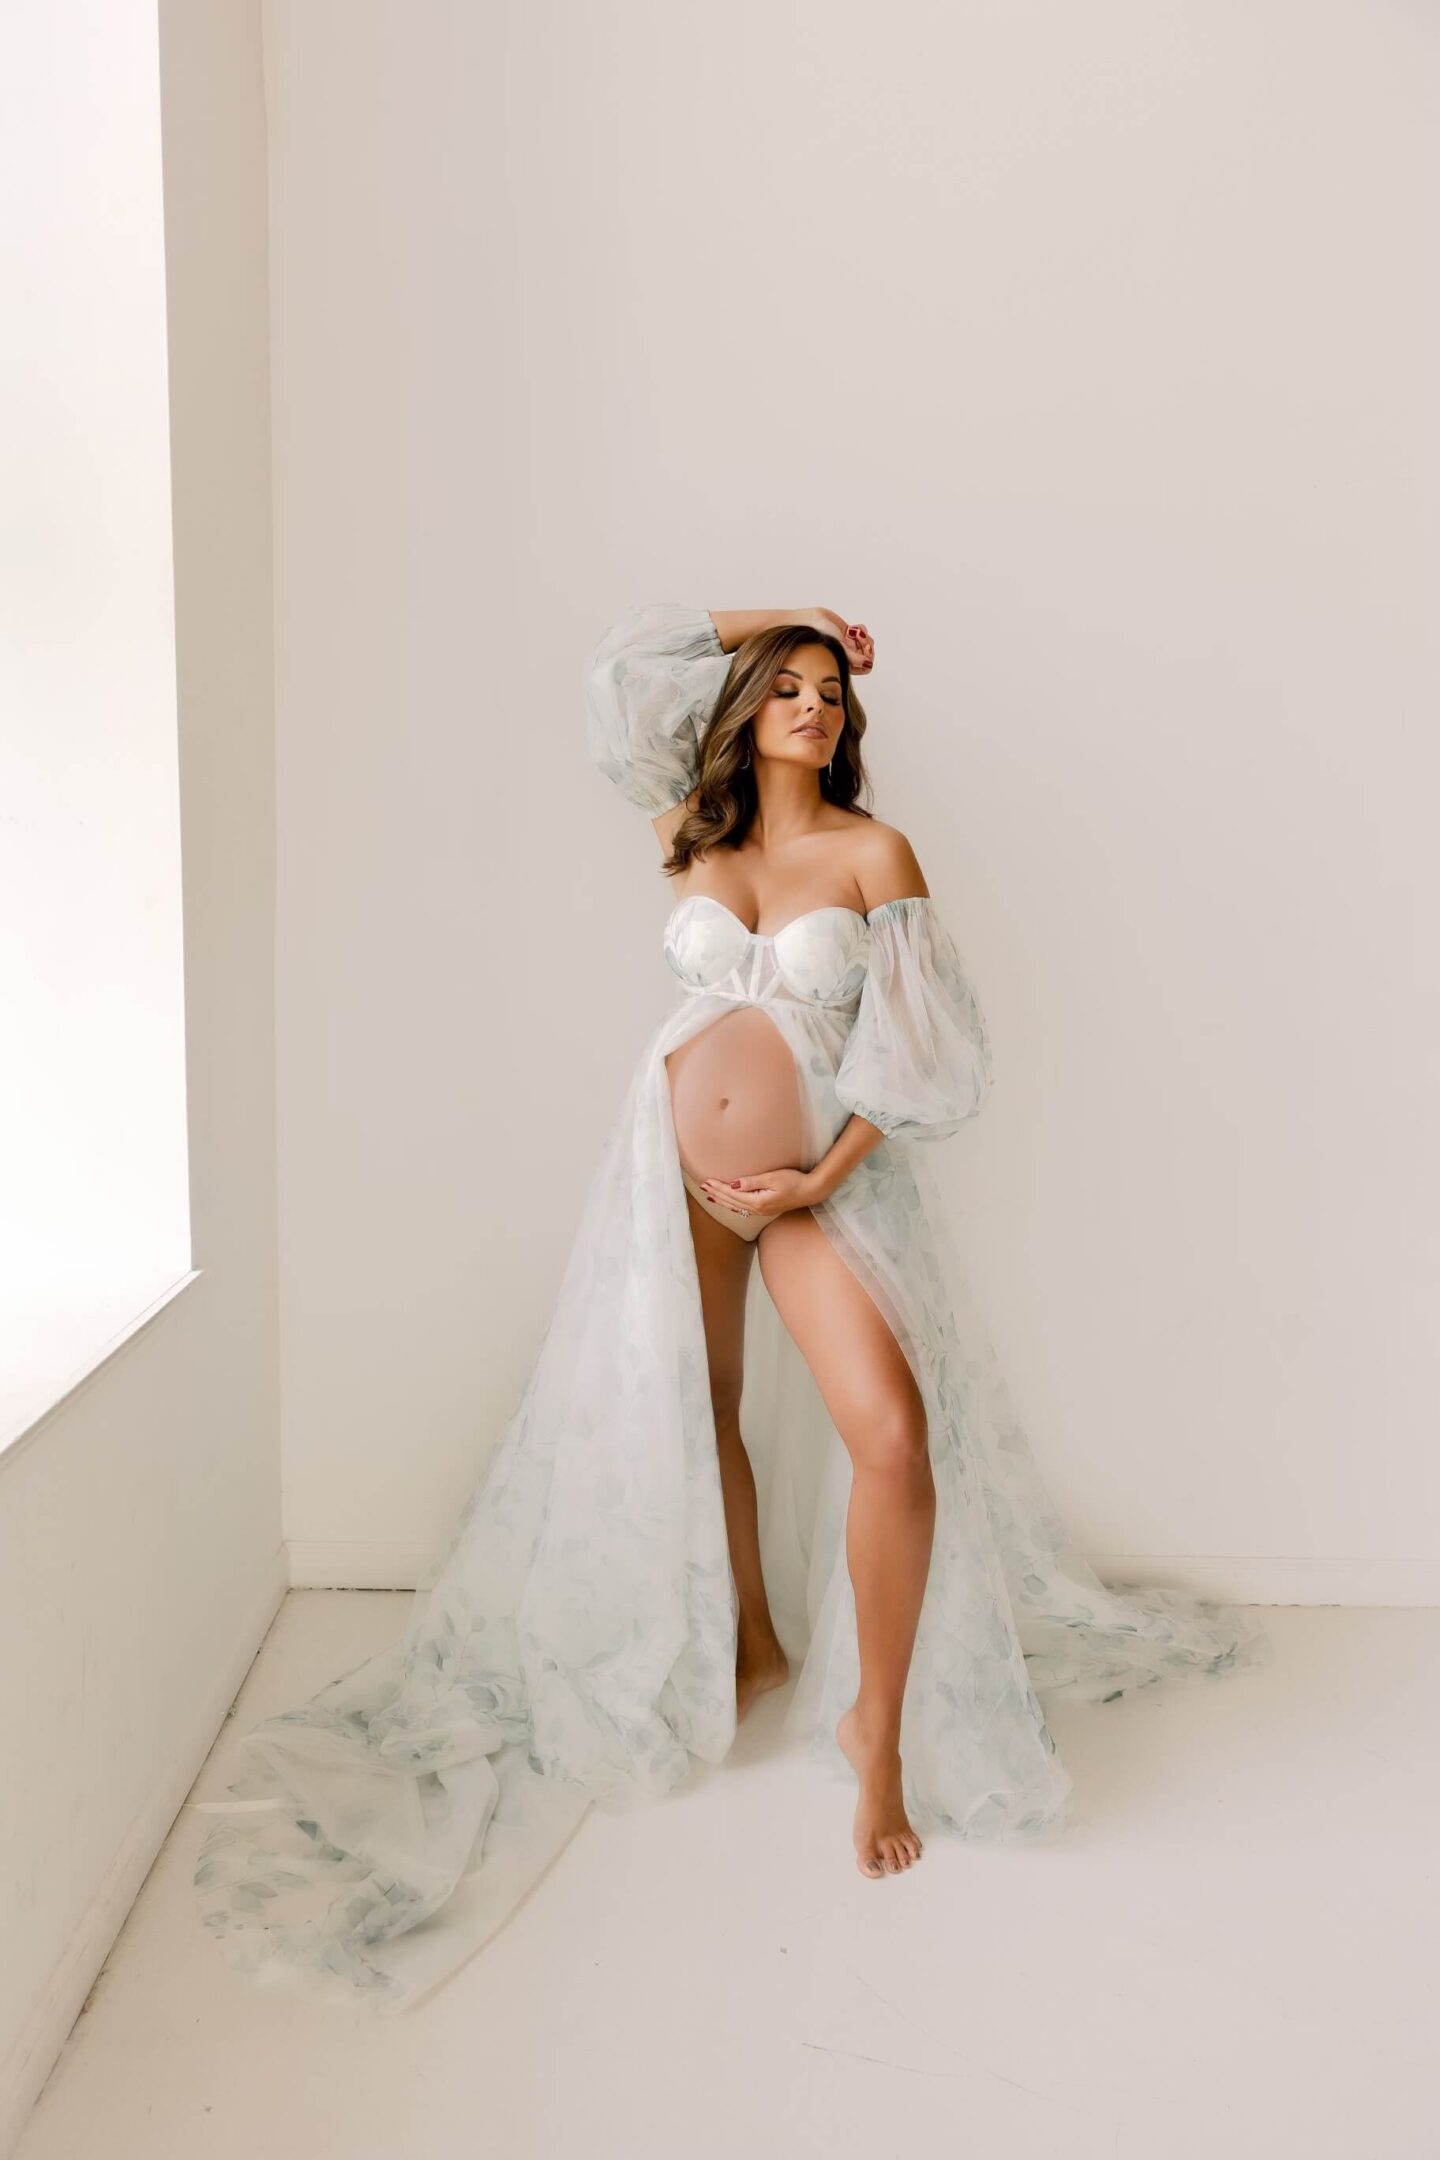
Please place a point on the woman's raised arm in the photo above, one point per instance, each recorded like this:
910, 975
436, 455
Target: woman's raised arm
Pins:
652, 683
734, 625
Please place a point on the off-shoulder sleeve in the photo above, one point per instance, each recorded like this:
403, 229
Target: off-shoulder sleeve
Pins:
653, 682
917, 1061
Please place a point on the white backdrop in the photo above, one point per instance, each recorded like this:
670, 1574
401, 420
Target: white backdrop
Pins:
1084, 354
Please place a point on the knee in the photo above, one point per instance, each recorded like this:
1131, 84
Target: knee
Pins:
894, 1440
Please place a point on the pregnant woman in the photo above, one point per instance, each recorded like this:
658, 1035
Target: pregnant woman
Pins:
773, 832
612, 1595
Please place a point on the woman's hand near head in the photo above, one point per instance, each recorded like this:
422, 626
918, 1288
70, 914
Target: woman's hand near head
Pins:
856, 639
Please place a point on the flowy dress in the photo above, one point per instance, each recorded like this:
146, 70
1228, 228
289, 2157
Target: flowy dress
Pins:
572, 1643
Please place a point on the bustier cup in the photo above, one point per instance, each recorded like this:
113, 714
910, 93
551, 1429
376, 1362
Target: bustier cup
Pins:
819, 957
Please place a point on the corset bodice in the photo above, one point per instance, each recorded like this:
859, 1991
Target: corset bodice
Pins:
818, 958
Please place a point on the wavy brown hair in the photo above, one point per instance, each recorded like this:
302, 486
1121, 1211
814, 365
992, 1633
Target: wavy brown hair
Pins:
727, 797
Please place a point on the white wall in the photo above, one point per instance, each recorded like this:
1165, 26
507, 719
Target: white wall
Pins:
140, 1556
1083, 353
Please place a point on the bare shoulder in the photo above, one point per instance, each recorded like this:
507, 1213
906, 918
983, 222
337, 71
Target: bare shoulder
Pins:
886, 867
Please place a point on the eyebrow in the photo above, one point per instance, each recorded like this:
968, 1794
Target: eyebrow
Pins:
800, 678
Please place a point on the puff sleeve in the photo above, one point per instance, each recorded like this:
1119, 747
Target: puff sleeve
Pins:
653, 682
917, 1061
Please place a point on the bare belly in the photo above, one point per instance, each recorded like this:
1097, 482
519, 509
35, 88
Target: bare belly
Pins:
735, 1098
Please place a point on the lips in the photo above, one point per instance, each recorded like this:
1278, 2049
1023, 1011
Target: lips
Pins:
806, 728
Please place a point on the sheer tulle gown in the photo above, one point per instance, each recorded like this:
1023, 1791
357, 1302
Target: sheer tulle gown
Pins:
573, 1641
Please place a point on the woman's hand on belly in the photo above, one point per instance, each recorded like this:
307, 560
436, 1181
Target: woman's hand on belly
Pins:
772, 1192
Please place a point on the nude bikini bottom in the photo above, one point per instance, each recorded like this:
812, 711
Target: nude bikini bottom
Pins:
745, 1226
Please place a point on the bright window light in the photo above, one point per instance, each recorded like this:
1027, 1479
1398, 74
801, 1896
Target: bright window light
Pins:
94, 1190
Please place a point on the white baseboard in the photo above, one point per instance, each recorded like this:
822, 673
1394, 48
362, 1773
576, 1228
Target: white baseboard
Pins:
336, 1564
1243, 1579
31, 2059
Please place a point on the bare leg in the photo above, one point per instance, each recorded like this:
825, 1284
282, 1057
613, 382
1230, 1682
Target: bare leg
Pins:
871, 1395
735, 1093
723, 1262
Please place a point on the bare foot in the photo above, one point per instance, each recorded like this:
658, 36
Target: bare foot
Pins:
885, 1844
757, 1669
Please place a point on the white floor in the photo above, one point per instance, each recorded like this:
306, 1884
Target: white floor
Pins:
1232, 1952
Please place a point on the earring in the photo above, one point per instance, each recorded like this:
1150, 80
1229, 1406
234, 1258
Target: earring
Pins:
746, 759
